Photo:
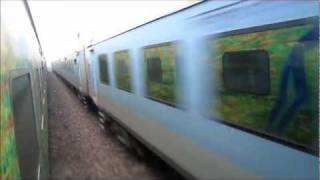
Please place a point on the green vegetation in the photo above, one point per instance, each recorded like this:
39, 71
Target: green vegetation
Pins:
122, 67
163, 90
252, 111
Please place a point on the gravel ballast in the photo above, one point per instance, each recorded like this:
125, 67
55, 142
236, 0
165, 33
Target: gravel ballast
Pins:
80, 149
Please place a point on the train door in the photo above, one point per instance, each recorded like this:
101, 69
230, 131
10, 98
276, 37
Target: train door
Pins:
78, 71
86, 72
83, 72
25, 124
92, 83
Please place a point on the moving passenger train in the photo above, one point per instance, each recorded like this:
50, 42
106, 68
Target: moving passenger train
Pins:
219, 90
23, 123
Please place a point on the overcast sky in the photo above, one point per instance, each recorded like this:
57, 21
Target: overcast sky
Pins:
59, 22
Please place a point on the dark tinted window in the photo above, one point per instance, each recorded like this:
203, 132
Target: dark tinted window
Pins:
154, 69
103, 66
246, 71
25, 127
123, 69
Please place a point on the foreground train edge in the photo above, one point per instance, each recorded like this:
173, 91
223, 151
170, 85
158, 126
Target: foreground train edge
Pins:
23, 124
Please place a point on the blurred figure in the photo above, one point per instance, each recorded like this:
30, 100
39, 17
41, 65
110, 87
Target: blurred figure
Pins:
294, 65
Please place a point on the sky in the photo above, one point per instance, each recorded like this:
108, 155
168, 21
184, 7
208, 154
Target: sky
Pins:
59, 22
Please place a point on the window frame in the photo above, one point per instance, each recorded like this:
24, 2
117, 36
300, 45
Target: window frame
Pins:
161, 44
129, 70
256, 29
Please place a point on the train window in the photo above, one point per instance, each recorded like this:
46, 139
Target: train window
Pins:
160, 72
266, 80
122, 68
25, 126
246, 71
103, 67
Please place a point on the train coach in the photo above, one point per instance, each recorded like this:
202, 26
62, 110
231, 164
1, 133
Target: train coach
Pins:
219, 90
23, 123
